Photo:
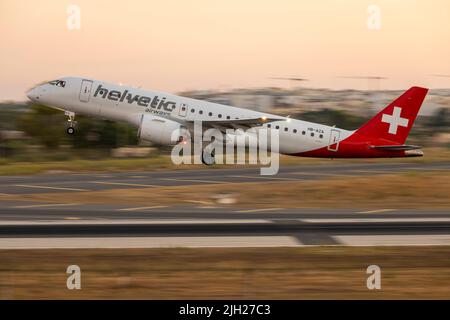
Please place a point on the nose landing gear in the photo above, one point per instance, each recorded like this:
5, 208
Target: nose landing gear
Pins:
72, 123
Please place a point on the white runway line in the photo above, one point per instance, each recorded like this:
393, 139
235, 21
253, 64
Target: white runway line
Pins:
48, 187
78, 221
259, 210
379, 220
321, 174
141, 208
205, 203
394, 240
45, 205
104, 176
146, 242
374, 171
424, 169
378, 211
265, 177
192, 180
124, 184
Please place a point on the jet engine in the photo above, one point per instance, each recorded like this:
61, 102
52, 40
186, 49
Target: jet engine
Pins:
160, 131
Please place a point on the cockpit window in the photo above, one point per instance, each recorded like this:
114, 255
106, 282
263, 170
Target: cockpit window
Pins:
58, 83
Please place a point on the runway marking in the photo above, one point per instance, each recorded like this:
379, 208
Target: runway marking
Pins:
5, 194
393, 240
48, 187
198, 202
264, 177
378, 211
192, 180
375, 171
374, 220
124, 184
105, 176
45, 205
148, 222
138, 177
148, 242
141, 208
321, 174
259, 210
422, 168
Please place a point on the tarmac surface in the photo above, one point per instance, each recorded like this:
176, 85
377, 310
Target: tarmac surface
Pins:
28, 224
60, 182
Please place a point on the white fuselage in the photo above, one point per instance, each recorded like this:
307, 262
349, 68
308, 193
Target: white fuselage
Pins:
123, 103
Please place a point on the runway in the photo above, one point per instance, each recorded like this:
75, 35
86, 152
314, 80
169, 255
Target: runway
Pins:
39, 225
13, 185
224, 227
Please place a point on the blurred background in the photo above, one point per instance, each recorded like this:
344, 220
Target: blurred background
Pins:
36, 133
321, 61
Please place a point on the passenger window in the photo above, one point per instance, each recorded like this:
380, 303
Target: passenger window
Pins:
192, 110
277, 127
210, 114
220, 116
295, 130
312, 134
228, 117
303, 132
286, 129
201, 112
320, 136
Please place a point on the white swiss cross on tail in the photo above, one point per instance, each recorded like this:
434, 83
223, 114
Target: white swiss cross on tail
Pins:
395, 120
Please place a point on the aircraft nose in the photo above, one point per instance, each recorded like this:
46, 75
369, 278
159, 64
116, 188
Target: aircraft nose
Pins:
33, 94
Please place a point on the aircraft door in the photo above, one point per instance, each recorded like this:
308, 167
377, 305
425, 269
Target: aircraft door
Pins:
85, 90
183, 110
334, 140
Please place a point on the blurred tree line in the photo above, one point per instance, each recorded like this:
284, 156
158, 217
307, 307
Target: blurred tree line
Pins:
35, 132
45, 129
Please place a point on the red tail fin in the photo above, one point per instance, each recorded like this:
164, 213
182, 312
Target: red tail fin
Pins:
395, 121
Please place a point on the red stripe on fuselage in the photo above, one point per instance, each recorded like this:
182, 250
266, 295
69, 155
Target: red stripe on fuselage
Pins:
355, 146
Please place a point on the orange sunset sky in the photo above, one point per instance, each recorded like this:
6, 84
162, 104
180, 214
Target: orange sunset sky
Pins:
210, 44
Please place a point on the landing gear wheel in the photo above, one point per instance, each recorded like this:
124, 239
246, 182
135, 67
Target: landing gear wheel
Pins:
72, 123
70, 130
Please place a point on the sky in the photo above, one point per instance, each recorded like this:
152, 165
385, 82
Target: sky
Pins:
178, 45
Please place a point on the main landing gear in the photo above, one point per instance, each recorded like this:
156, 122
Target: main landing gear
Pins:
72, 123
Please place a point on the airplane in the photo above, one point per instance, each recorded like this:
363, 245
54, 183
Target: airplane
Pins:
157, 115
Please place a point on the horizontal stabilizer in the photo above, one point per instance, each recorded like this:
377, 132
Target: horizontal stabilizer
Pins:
396, 147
